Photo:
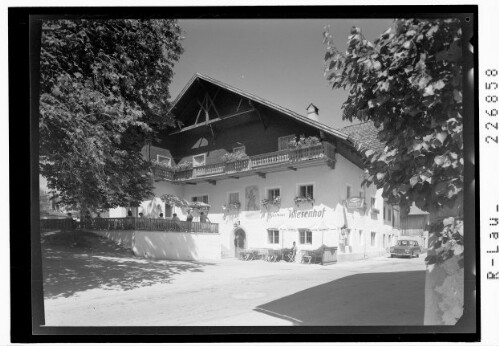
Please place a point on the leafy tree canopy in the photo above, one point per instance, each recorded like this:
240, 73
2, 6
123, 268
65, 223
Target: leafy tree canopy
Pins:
409, 83
103, 92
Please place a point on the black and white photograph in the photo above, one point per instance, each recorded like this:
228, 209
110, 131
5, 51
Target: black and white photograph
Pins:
254, 170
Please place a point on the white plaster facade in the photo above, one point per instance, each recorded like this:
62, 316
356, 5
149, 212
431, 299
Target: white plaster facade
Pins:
366, 233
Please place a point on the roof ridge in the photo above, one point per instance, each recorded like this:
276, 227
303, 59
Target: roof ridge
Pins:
362, 123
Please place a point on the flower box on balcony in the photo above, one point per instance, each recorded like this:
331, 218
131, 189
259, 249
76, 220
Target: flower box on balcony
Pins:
161, 164
234, 205
162, 170
267, 203
174, 200
308, 199
304, 142
233, 157
199, 206
184, 166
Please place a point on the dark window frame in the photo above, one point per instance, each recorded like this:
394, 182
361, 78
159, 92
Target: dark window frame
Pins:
306, 192
233, 193
271, 195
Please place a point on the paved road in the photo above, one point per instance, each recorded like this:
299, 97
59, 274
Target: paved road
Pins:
380, 291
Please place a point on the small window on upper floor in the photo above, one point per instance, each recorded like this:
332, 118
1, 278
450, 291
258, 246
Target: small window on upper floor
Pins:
373, 202
283, 142
273, 193
199, 160
306, 191
164, 160
233, 197
349, 191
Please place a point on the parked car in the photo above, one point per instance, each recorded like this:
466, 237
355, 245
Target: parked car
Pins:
405, 248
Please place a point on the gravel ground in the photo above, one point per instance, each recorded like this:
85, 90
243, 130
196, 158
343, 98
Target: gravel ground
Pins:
97, 283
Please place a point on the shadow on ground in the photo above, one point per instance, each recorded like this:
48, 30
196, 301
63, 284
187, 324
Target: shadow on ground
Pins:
393, 298
96, 262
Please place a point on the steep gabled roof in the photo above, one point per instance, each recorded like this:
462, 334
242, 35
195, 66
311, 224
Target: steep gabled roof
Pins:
364, 136
261, 101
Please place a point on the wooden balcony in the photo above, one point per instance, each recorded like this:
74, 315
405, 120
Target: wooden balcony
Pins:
258, 164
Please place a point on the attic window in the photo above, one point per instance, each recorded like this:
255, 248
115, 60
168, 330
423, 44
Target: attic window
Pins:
199, 160
238, 149
164, 159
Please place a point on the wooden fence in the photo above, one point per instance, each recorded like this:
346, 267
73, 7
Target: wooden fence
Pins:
129, 223
146, 224
58, 224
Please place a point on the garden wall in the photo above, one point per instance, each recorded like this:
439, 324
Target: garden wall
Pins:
177, 245
180, 246
123, 238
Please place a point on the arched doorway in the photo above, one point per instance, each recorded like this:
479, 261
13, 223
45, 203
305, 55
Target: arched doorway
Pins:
239, 241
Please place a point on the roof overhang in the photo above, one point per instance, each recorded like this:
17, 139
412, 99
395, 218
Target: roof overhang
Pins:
259, 100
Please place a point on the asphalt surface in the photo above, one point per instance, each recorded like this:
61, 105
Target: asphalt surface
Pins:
114, 289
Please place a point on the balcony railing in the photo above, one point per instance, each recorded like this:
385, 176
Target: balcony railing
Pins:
276, 157
146, 224
163, 173
323, 151
208, 169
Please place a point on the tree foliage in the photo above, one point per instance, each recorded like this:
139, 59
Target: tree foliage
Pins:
409, 83
103, 92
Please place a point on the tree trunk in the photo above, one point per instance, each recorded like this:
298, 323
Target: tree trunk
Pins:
444, 286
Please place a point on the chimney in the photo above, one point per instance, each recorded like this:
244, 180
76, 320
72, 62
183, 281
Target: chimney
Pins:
313, 112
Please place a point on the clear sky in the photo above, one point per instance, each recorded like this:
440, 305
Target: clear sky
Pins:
281, 60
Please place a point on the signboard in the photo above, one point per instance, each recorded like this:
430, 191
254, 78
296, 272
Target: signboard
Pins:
355, 203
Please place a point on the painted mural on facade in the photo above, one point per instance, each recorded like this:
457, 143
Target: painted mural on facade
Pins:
252, 197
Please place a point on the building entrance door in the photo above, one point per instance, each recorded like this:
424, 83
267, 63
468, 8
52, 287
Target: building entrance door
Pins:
239, 241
